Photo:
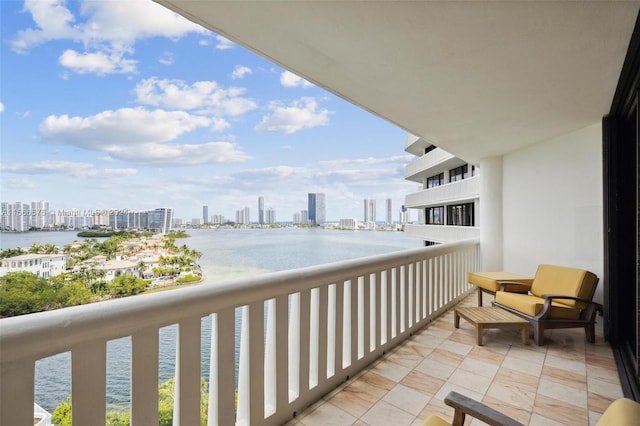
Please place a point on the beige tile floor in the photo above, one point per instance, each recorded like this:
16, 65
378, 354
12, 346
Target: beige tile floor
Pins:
565, 382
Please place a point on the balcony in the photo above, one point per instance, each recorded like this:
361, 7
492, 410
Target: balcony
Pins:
431, 164
567, 381
462, 190
301, 334
415, 145
441, 233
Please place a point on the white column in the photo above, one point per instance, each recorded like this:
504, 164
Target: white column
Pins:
491, 239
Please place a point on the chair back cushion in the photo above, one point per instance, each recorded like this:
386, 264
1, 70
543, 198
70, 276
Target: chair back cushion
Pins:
552, 279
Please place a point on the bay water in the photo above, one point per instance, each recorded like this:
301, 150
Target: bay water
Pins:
226, 254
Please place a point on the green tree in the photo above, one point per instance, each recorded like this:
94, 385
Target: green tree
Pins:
23, 293
127, 285
61, 416
11, 252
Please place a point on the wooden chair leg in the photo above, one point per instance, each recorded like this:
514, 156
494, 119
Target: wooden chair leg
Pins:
590, 331
479, 296
538, 333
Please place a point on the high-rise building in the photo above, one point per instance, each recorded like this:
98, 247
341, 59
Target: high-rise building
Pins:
270, 216
261, 210
369, 212
243, 216
317, 208
205, 214
39, 214
389, 212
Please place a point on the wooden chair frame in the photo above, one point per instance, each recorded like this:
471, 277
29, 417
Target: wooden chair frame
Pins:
543, 321
464, 406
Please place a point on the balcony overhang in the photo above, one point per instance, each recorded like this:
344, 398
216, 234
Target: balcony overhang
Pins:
477, 79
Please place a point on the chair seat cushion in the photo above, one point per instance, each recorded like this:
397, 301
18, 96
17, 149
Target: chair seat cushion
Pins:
434, 421
532, 305
489, 281
622, 411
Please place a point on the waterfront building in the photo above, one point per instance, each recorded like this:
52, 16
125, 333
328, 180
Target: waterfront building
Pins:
15, 217
39, 214
205, 214
317, 208
348, 223
269, 216
243, 216
261, 210
389, 205
197, 221
218, 219
369, 219
42, 265
160, 220
448, 199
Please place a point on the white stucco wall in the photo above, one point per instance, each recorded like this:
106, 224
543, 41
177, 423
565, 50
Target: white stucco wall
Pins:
552, 204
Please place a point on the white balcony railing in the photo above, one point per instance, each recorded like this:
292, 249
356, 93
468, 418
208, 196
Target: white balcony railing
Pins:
465, 189
303, 332
439, 233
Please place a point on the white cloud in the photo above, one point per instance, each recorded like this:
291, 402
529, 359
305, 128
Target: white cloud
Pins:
69, 168
139, 136
223, 43
123, 127
17, 183
201, 94
401, 159
289, 79
97, 63
107, 30
1, 107
179, 155
240, 71
300, 114
166, 58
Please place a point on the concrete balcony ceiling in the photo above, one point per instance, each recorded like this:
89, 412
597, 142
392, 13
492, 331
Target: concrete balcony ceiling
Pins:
477, 79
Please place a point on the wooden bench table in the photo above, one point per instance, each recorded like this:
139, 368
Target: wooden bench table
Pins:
491, 317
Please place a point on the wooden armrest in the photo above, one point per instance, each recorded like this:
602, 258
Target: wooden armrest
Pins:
503, 285
464, 405
591, 309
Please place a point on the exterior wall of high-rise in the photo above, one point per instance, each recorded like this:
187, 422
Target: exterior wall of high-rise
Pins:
205, 214
369, 218
317, 208
261, 219
448, 200
389, 204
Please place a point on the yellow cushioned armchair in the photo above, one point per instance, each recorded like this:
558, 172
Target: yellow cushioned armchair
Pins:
559, 297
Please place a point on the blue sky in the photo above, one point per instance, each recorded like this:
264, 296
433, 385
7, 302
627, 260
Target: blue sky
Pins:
124, 104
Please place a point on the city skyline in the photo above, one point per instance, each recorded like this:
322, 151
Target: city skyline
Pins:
167, 113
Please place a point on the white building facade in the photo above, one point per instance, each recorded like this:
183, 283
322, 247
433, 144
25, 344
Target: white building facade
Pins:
448, 199
42, 265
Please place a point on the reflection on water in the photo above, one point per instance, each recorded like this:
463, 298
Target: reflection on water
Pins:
227, 254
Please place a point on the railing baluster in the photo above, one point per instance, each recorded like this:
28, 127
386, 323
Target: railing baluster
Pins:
331, 330
388, 305
256, 361
314, 332
187, 382
338, 355
270, 356
366, 315
144, 377
377, 310
294, 347
395, 302
305, 327
221, 409
322, 333
88, 383
16, 392
282, 353
354, 321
